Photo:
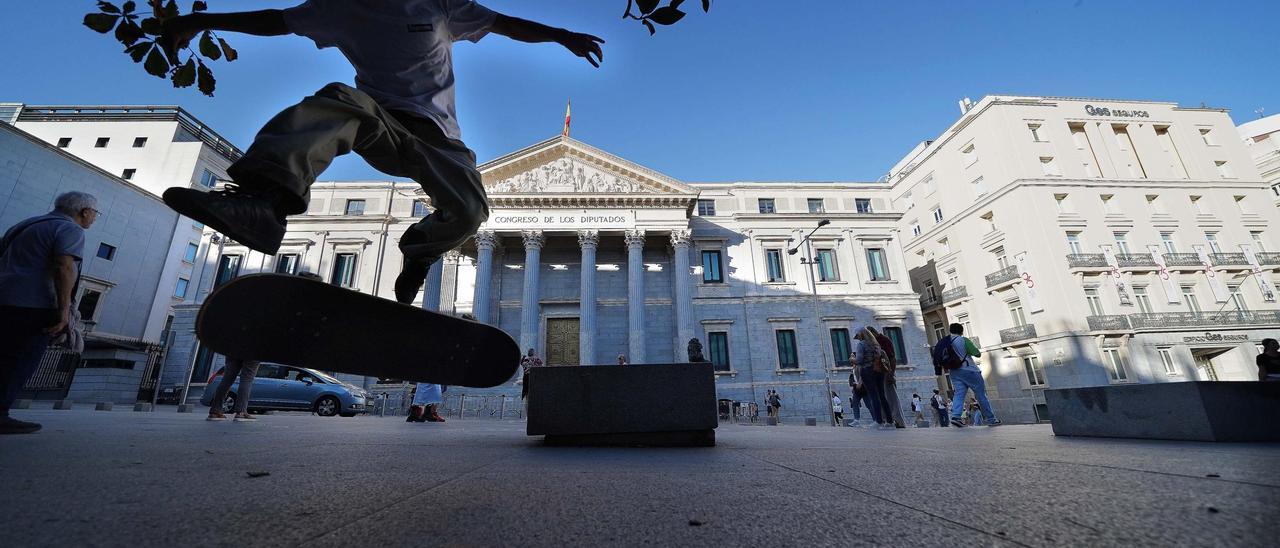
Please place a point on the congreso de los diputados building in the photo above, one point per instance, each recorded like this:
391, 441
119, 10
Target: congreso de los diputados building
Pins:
587, 257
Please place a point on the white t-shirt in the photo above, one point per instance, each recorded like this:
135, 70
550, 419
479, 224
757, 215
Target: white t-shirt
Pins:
402, 50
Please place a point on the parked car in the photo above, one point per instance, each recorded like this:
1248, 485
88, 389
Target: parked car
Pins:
289, 388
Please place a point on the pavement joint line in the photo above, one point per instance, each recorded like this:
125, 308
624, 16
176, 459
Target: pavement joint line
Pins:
397, 502
894, 502
1173, 474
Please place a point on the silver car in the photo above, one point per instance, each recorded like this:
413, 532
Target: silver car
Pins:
289, 388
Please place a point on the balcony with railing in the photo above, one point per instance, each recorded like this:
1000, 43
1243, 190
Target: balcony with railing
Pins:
1229, 259
1019, 333
1268, 258
1110, 322
1135, 260
1167, 320
1087, 260
1003, 275
929, 301
954, 294
1182, 259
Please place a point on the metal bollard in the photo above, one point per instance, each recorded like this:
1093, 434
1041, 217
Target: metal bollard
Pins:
502, 411
462, 405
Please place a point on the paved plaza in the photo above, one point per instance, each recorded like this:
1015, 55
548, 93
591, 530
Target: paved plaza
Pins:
124, 478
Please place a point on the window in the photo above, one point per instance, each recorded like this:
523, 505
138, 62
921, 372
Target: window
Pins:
344, 270
1256, 236
287, 263
939, 331
180, 290
840, 347
208, 179
706, 208
101, 142
1095, 301
1002, 260
953, 279
1122, 242
1166, 359
1144, 301
1085, 148
1073, 243
876, 265
862, 205
354, 208
88, 305
228, 268
1166, 239
420, 209
787, 357
915, 228
1155, 204
1035, 371
773, 261
1237, 299
1189, 295
1212, 238
1171, 152
1063, 205
1035, 133
766, 205
1129, 154
908, 202
1275, 189
1224, 170
1206, 136
204, 363
128, 174
718, 350
1049, 166
937, 215
711, 267
64, 142
1198, 205
944, 246
1109, 203
816, 206
969, 155
106, 251
827, 271
190, 255
139, 142
1016, 314
899, 345
979, 187
1115, 365
930, 294
1242, 205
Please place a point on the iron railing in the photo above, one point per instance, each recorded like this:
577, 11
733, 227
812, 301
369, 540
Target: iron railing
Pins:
1019, 333
1181, 259
1086, 260
1232, 259
955, 293
1135, 259
927, 300
1160, 320
1268, 257
1116, 322
1003, 275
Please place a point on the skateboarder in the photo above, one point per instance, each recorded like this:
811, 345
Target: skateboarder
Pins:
400, 117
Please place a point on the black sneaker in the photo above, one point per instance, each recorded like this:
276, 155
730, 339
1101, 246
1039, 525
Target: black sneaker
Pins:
995, 422
245, 217
414, 272
9, 425
958, 423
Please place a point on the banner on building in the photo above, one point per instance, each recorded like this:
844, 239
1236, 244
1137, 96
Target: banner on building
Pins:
1162, 269
1029, 283
1265, 286
1219, 288
1116, 276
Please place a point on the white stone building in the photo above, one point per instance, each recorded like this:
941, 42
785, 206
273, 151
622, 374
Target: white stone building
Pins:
1262, 140
1091, 241
668, 261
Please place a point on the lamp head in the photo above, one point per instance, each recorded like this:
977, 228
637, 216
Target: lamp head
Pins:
793, 251
824, 222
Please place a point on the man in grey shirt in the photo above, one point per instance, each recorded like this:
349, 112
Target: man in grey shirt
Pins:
38, 272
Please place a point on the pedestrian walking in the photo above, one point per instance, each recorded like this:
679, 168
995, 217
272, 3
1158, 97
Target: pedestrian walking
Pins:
40, 261
622, 359
775, 403
890, 377
870, 366
939, 404
529, 361
975, 414
967, 378
427, 398
1269, 361
837, 409
858, 394
246, 371
917, 407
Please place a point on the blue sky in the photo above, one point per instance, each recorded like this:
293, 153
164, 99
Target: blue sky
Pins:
756, 90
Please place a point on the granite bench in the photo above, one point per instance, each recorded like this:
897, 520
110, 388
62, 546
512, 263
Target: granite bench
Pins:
1192, 411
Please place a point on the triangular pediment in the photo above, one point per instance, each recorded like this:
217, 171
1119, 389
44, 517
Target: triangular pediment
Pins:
564, 166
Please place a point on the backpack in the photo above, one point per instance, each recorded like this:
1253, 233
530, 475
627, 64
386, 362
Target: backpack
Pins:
945, 356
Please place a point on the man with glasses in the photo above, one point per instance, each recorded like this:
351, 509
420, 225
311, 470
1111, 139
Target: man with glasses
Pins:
39, 269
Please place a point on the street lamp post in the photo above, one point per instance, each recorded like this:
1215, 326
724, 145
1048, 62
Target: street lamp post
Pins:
810, 264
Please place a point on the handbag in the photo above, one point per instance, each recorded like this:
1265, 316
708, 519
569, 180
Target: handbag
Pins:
72, 337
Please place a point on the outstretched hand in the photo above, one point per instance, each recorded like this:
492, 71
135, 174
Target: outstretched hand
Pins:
175, 34
584, 46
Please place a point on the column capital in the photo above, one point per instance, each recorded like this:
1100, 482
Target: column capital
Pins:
452, 256
634, 238
533, 239
486, 239
588, 238
682, 237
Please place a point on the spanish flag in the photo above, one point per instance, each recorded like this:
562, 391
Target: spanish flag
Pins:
567, 108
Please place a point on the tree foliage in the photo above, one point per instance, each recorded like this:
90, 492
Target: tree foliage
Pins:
138, 32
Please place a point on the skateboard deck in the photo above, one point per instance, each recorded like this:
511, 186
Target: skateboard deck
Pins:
308, 323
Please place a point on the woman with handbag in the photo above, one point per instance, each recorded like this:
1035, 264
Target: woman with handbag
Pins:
871, 369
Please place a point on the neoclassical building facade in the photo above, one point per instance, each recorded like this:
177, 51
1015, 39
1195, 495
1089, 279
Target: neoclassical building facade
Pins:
587, 257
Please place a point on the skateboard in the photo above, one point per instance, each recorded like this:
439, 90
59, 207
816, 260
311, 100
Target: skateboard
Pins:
308, 323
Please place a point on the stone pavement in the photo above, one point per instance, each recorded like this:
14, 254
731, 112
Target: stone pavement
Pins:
122, 478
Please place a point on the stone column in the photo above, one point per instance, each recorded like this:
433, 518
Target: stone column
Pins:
486, 241
587, 240
431, 289
680, 241
533, 241
635, 296
449, 283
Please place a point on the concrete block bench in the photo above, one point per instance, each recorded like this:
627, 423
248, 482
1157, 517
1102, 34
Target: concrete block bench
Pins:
649, 404
1192, 411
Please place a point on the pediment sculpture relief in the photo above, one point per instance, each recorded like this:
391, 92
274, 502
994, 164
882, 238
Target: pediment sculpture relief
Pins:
567, 176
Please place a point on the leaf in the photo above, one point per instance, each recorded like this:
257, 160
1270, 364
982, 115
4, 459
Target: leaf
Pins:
199, 5
186, 74
208, 47
139, 50
151, 26
706, 6
227, 51
100, 22
205, 80
646, 6
108, 7
667, 15
156, 64
170, 9
128, 32
129, 7
650, 25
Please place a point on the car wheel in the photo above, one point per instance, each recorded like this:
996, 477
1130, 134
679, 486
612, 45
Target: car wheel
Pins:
229, 403
327, 406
